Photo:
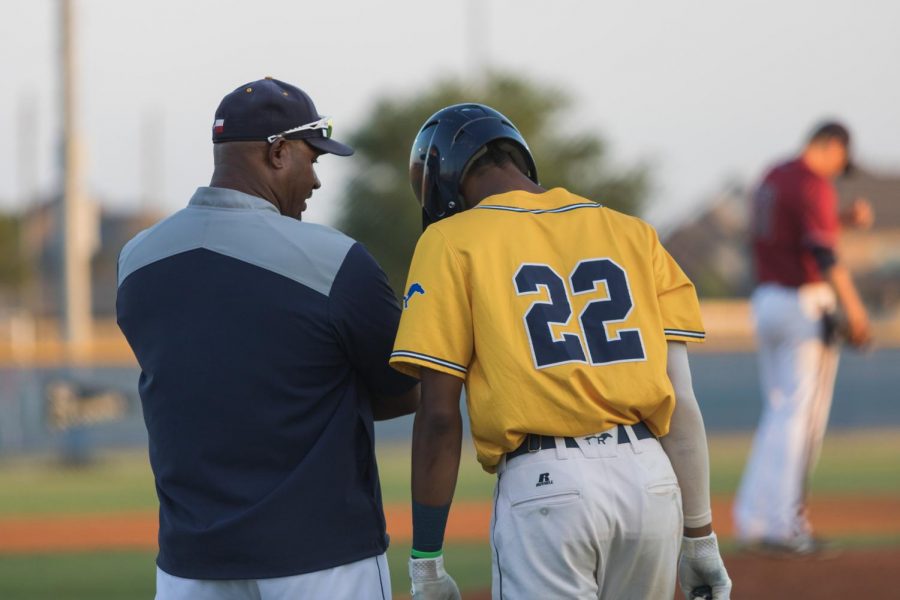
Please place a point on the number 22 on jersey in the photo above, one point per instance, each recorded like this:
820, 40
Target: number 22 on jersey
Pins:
548, 349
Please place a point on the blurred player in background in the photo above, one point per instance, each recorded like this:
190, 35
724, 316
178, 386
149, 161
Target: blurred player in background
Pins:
567, 322
801, 284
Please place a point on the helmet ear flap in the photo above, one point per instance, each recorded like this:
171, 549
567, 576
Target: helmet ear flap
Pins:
431, 183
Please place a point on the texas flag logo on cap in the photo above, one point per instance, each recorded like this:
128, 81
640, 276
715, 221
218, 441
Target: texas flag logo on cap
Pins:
219, 126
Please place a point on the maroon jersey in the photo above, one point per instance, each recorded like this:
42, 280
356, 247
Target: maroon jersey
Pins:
794, 211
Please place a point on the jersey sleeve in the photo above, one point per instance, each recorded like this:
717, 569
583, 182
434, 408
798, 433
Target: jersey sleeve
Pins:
436, 325
678, 303
819, 221
365, 313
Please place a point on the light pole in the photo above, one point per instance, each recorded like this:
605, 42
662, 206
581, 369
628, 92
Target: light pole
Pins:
78, 224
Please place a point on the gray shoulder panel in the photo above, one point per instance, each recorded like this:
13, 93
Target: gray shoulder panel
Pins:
307, 253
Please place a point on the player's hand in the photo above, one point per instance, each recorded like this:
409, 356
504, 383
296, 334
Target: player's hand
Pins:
430, 581
859, 331
859, 214
701, 565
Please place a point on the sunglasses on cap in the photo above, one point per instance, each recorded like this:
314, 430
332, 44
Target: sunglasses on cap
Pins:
324, 124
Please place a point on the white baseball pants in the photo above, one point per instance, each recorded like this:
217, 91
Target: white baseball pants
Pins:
366, 579
599, 521
797, 371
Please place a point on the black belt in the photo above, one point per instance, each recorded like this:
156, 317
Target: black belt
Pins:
534, 442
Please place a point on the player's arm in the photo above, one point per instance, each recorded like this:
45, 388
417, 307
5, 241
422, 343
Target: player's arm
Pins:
685, 445
858, 215
436, 446
820, 223
858, 329
435, 343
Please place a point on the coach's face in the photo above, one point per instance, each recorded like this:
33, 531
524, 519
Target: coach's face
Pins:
296, 176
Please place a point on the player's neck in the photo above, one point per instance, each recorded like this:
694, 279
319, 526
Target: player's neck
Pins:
494, 181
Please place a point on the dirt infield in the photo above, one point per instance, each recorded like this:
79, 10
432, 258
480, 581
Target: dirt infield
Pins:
867, 575
469, 522
858, 573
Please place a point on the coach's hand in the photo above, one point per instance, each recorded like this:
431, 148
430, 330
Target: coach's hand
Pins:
430, 581
701, 565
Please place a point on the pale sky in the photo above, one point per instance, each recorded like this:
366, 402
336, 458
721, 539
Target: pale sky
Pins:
705, 92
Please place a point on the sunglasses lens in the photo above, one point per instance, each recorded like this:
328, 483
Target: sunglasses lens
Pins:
329, 128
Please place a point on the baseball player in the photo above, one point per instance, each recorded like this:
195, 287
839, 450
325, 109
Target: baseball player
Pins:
263, 344
800, 284
567, 323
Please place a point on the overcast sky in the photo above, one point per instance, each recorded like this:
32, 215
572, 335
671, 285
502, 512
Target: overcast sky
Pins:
705, 92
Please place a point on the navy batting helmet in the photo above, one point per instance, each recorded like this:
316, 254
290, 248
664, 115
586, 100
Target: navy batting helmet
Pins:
447, 144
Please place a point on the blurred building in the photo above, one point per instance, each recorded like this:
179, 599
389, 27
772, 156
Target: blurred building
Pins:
42, 244
874, 256
713, 247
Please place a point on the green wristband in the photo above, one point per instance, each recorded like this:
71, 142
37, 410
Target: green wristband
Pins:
419, 554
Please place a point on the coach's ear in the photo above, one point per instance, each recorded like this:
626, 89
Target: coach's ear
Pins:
277, 153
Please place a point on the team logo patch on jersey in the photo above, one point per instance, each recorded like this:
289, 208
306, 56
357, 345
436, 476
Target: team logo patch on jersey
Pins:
543, 479
415, 288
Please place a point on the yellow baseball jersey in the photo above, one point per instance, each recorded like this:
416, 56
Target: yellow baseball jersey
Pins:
554, 310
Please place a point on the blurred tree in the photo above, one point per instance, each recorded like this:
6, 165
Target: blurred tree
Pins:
13, 266
378, 206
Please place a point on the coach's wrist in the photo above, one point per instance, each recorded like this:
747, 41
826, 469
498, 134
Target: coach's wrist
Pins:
696, 532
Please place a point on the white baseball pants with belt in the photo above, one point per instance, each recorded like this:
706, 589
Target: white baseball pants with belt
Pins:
797, 371
600, 521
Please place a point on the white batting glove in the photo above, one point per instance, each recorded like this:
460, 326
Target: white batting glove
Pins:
430, 581
701, 565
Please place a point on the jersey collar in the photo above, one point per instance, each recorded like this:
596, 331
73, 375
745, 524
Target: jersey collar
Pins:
553, 200
216, 197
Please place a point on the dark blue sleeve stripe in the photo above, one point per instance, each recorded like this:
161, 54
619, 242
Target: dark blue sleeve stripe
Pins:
685, 333
431, 359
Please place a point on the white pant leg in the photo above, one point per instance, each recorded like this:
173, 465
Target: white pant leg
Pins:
641, 562
797, 378
608, 526
366, 579
172, 587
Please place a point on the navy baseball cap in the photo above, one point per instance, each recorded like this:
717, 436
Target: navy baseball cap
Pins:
268, 109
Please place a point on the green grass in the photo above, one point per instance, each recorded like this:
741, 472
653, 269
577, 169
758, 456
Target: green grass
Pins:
852, 462
115, 482
862, 462
858, 462
473, 483
83, 576
130, 574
